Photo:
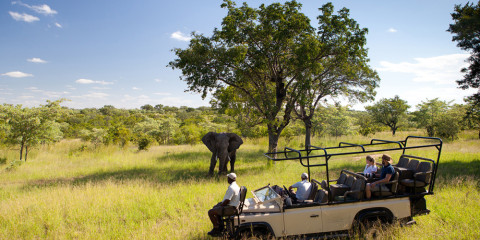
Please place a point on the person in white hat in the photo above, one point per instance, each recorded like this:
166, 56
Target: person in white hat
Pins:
303, 188
227, 207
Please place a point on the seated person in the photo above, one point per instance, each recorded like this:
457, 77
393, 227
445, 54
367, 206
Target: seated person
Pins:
370, 167
303, 189
385, 175
227, 207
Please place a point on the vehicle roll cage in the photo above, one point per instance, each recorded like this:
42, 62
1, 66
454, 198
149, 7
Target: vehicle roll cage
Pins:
311, 152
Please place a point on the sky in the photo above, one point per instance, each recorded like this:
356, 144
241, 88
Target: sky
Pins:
97, 53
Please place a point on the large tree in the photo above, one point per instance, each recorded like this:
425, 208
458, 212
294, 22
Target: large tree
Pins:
338, 66
268, 55
391, 112
466, 32
429, 113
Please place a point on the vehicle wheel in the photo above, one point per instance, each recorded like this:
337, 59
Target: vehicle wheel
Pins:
255, 235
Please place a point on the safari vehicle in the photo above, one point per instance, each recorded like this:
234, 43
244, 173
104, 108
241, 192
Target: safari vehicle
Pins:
336, 206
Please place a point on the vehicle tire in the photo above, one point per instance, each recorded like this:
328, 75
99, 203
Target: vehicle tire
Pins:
255, 235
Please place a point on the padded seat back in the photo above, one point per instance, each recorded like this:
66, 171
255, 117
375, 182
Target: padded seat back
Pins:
424, 167
243, 194
395, 185
358, 185
321, 197
413, 164
342, 178
350, 180
313, 191
403, 162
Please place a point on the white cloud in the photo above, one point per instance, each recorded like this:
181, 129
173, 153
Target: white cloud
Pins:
88, 81
23, 17
136, 89
58, 25
163, 94
42, 9
92, 95
36, 60
17, 74
157, 80
180, 36
392, 30
440, 70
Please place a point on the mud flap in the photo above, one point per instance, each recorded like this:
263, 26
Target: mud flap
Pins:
418, 206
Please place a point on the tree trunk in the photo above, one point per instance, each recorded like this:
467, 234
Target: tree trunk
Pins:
21, 150
26, 153
273, 136
308, 128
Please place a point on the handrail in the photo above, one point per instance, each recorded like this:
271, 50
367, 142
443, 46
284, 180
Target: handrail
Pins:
351, 144
386, 141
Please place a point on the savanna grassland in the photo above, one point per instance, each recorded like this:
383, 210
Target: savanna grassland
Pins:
72, 190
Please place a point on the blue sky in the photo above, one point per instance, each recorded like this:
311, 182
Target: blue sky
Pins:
98, 53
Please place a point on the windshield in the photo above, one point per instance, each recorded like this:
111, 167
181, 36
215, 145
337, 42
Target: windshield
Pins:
265, 194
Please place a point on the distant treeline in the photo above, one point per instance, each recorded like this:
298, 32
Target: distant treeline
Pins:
161, 125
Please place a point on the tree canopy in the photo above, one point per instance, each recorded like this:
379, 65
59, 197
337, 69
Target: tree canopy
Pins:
466, 32
391, 112
271, 55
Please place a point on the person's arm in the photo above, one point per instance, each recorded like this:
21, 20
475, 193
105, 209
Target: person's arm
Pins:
225, 202
386, 179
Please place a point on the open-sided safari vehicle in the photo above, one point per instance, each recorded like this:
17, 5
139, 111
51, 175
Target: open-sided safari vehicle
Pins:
336, 206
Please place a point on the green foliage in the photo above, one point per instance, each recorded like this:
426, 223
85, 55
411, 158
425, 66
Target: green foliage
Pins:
465, 32
28, 127
390, 112
264, 60
367, 125
429, 113
3, 160
144, 143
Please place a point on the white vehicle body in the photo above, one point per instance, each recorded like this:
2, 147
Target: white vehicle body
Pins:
314, 218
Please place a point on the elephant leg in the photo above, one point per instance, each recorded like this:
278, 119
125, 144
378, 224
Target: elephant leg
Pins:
232, 160
213, 162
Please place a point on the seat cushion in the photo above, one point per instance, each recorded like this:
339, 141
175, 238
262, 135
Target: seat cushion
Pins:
412, 183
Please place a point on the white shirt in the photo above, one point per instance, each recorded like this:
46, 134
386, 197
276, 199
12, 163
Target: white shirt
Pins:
370, 169
233, 194
303, 189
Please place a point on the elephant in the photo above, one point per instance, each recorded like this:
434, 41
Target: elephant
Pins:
224, 147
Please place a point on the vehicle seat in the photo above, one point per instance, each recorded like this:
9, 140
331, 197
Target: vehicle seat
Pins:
342, 178
228, 219
321, 197
402, 162
340, 189
393, 190
421, 177
408, 171
313, 191
356, 193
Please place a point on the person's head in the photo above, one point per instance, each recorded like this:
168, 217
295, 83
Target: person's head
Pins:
370, 160
386, 159
231, 177
304, 176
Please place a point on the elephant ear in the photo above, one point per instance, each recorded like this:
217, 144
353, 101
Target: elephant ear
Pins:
209, 141
234, 142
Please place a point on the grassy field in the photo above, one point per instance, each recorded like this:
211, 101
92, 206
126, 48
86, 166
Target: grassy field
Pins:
73, 191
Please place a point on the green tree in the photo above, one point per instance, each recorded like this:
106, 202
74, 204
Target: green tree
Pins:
472, 116
264, 54
366, 124
31, 126
465, 30
428, 114
390, 112
338, 121
338, 65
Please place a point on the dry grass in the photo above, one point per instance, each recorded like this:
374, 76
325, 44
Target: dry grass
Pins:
72, 191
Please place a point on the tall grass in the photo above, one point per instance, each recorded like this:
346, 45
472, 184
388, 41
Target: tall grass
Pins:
71, 190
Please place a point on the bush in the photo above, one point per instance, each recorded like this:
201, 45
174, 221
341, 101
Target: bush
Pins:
3, 160
14, 164
144, 143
